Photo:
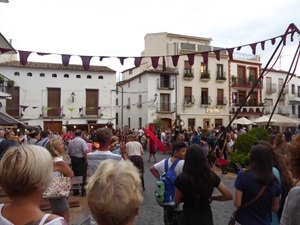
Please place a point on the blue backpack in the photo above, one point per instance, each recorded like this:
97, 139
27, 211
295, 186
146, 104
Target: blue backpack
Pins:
165, 189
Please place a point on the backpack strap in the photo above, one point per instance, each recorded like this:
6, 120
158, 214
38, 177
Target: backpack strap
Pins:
172, 166
45, 217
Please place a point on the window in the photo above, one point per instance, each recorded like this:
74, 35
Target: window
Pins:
164, 103
91, 100
187, 68
220, 97
78, 76
187, 95
53, 102
164, 81
66, 75
54, 75
204, 96
100, 77
88, 77
220, 72
293, 89
117, 101
191, 123
29, 74
17, 74
293, 109
218, 122
204, 68
298, 91
241, 76
12, 105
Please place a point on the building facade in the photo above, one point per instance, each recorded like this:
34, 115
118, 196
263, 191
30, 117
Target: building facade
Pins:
59, 97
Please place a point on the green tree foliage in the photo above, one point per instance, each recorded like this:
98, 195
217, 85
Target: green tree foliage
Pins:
260, 133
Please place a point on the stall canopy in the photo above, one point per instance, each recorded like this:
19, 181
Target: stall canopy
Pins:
276, 120
242, 121
7, 120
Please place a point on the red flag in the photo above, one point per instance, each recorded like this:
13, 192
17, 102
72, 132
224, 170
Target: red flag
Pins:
153, 137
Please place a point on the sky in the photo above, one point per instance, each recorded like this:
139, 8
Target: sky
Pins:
118, 27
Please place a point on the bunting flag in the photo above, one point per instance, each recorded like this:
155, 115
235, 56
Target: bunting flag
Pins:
80, 109
71, 109
291, 30
34, 107
47, 108
59, 110
23, 107
99, 107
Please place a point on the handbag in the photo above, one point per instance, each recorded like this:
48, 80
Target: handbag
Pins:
233, 216
59, 187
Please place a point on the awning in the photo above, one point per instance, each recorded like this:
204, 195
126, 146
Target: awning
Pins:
6, 120
4, 95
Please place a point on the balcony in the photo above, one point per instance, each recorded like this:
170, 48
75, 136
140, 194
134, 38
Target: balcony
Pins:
244, 83
271, 88
285, 89
249, 109
221, 77
205, 100
294, 98
166, 107
189, 100
165, 84
205, 76
221, 101
188, 74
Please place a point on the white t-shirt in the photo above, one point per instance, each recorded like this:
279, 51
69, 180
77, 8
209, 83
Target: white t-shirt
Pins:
160, 166
134, 148
56, 221
163, 137
57, 173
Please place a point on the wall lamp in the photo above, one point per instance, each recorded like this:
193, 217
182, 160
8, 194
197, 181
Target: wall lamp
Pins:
155, 96
72, 96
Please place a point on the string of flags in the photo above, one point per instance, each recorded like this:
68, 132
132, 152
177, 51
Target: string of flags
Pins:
65, 58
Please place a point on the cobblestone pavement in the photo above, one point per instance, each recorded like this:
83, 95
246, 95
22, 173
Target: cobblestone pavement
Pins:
151, 213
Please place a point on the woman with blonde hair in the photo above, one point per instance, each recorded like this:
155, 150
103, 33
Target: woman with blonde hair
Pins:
280, 145
25, 173
114, 193
55, 146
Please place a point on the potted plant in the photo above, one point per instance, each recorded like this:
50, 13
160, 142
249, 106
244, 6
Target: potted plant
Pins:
205, 75
10, 83
251, 102
233, 78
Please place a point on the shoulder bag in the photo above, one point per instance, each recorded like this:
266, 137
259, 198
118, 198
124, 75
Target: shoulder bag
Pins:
58, 188
232, 218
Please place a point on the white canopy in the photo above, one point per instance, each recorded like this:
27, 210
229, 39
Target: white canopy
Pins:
4, 95
277, 120
243, 121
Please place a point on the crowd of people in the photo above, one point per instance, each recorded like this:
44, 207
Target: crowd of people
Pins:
113, 159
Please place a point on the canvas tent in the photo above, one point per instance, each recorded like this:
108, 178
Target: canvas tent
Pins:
7, 120
242, 121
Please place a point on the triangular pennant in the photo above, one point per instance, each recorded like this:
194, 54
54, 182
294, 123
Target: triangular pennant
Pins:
42, 53
4, 50
99, 107
230, 53
80, 109
71, 109
122, 60
47, 108
24, 107
175, 59
86, 62
137, 61
217, 53
253, 47
283, 39
65, 59
262, 44
34, 107
24, 56
239, 48
205, 56
154, 60
191, 58
273, 41
102, 57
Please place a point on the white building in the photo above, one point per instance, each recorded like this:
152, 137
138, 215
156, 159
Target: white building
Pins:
199, 94
57, 97
289, 100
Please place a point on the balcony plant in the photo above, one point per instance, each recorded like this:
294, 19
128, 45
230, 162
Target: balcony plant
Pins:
233, 78
10, 83
251, 102
205, 75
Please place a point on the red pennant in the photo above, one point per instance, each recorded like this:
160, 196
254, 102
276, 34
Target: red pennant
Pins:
3, 50
273, 41
65, 59
205, 56
262, 44
24, 56
175, 59
191, 58
283, 39
253, 47
137, 61
154, 60
122, 60
86, 62
217, 53
230, 53
239, 48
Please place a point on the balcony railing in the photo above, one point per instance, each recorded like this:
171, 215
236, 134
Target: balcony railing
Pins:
188, 74
165, 84
222, 101
189, 100
271, 88
166, 107
205, 100
285, 89
256, 108
294, 98
221, 76
205, 75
